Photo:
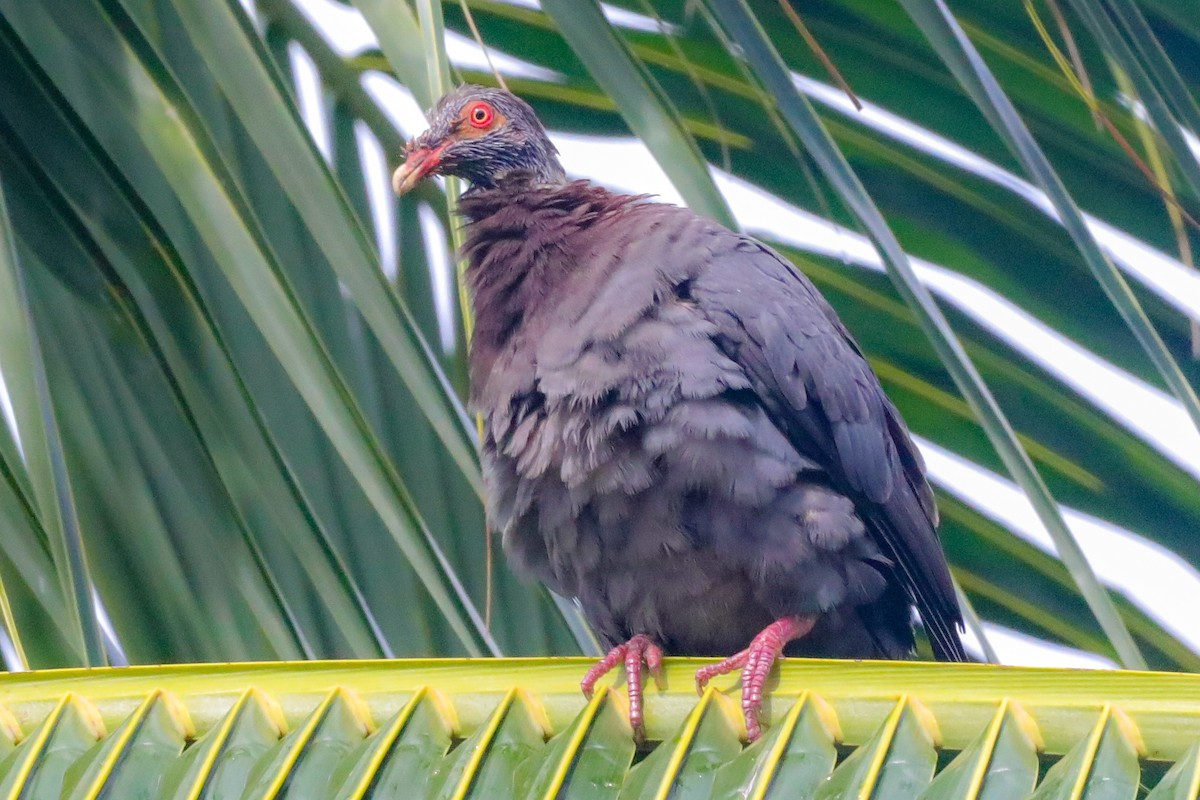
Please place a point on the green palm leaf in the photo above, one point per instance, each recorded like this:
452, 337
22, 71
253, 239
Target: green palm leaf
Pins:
462, 729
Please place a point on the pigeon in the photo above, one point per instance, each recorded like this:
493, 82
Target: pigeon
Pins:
678, 431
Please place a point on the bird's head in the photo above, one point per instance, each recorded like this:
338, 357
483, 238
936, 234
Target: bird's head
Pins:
481, 135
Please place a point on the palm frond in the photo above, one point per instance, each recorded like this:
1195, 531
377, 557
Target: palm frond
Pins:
427, 729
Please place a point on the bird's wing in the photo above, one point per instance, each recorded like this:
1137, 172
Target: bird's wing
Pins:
818, 388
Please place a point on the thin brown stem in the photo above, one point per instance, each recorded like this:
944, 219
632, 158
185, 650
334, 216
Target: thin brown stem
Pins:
1167, 196
466, 9
1073, 51
819, 52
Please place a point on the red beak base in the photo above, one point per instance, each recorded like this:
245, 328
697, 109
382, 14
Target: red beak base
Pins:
421, 162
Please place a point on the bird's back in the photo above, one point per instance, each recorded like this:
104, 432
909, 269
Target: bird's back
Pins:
679, 432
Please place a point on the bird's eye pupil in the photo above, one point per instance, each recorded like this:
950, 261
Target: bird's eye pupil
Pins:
481, 115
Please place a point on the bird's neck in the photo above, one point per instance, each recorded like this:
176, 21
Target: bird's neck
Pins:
536, 164
542, 171
541, 159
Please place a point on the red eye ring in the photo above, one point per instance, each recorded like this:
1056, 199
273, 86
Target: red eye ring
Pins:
480, 115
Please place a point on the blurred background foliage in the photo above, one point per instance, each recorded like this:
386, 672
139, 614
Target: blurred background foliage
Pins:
237, 366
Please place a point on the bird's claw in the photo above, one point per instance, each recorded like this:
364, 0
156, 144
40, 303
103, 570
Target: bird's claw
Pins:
755, 662
638, 650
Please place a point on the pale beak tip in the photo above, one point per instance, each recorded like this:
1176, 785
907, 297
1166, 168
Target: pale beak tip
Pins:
404, 179
420, 162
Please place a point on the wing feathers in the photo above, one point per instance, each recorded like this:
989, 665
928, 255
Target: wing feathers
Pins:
813, 379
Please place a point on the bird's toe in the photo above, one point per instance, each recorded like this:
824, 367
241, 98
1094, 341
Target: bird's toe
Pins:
706, 674
755, 662
641, 649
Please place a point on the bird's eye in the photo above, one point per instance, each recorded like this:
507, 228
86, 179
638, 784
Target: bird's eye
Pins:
480, 115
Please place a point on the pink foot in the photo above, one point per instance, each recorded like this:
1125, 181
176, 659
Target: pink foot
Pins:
755, 663
638, 649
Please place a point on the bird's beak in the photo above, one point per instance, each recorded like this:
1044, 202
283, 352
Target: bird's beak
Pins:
421, 161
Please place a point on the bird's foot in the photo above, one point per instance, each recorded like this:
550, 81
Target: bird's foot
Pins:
755, 663
637, 650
